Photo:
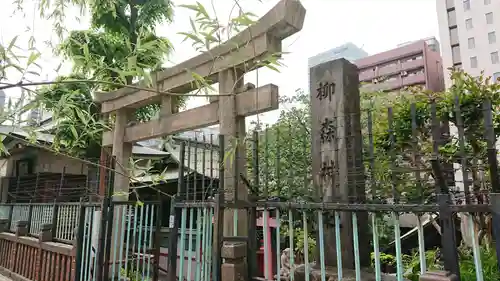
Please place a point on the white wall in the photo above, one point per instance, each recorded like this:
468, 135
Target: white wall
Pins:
479, 31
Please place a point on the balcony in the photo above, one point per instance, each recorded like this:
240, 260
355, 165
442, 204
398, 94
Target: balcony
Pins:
414, 79
412, 64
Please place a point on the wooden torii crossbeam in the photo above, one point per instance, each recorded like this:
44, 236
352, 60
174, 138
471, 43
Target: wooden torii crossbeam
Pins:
240, 54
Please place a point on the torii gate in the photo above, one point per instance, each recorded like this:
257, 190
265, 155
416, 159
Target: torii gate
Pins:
240, 54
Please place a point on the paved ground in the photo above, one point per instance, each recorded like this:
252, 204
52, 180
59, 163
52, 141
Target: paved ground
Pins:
3, 278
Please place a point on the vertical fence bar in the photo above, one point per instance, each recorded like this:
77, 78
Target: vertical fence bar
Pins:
461, 144
376, 249
116, 244
252, 219
139, 240
209, 243
395, 195
421, 245
475, 249
495, 182
373, 185
145, 248
30, 215
219, 215
127, 238
123, 212
278, 211
55, 215
291, 242
9, 217
417, 166
306, 246
87, 256
267, 250
156, 250
79, 242
108, 227
278, 243
338, 245
100, 254
204, 231
102, 239
321, 234
175, 219
190, 214
156, 273
448, 234
357, 263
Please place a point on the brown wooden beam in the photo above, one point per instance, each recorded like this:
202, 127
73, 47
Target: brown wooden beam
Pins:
248, 103
283, 20
184, 81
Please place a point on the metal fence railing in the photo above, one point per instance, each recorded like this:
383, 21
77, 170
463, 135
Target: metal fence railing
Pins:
62, 216
19, 213
67, 222
4, 212
41, 214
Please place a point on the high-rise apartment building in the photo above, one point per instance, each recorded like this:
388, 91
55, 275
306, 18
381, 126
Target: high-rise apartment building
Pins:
415, 63
469, 31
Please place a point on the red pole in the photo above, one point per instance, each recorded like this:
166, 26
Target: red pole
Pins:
267, 232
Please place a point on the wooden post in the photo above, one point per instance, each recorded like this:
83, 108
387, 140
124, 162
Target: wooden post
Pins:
232, 127
122, 151
337, 166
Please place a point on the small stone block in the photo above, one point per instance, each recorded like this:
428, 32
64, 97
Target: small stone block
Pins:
4, 225
45, 234
438, 276
46, 227
21, 228
234, 250
234, 271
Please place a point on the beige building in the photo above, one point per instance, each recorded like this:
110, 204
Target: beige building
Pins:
470, 36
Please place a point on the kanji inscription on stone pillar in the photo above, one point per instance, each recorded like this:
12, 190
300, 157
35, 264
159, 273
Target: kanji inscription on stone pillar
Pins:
337, 152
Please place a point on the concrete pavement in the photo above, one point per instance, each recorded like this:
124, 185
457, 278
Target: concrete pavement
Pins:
3, 278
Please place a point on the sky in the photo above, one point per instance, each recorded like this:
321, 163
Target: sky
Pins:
374, 25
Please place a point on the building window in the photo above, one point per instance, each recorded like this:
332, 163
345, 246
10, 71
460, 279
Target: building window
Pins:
468, 24
472, 43
454, 36
494, 58
452, 18
456, 56
496, 76
473, 62
492, 37
466, 5
487, 2
24, 167
489, 18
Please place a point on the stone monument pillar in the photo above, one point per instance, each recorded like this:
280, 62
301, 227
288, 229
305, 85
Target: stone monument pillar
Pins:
337, 166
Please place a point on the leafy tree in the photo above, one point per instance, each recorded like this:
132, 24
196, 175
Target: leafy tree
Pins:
398, 153
119, 48
284, 151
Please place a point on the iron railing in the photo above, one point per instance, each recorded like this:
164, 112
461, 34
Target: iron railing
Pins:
62, 216
430, 202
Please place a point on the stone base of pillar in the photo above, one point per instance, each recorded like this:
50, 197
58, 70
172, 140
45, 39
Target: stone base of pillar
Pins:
234, 267
332, 274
